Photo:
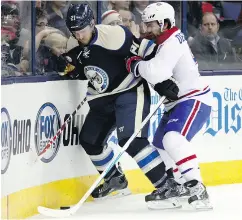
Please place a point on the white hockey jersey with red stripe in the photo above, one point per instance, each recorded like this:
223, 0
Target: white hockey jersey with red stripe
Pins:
175, 59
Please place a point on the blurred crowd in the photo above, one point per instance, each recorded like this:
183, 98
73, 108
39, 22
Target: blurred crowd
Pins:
214, 32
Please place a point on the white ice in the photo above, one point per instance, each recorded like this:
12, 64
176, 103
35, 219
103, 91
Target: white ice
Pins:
226, 201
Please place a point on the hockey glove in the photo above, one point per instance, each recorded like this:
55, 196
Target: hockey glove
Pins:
132, 64
167, 88
65, 68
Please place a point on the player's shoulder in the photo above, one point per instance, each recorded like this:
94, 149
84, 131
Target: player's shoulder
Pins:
174, 42
176, 38
178, 35
110, 37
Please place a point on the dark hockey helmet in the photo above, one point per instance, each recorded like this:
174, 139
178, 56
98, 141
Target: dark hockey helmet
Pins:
79, 16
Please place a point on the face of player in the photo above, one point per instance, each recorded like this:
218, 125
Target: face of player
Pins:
153, 28
209, 26
84, 36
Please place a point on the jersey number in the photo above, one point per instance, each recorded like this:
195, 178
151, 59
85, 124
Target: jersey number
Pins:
181, 38
73, 17
134, 48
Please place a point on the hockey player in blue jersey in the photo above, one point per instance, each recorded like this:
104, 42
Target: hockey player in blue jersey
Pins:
116, 97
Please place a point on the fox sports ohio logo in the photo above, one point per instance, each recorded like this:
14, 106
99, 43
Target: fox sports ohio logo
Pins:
47, 124
6, 139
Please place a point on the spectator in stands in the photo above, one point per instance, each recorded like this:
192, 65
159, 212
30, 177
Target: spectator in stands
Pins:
11, 52
25, 18
46, 57
127, 17
111, 17
56, 16
117, 5
138, 8
128, 21
7, 69
10, 29
208, 47
39, 41
42, 31
41, 20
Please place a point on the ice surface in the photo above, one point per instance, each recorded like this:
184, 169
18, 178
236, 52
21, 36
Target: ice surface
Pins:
226, 201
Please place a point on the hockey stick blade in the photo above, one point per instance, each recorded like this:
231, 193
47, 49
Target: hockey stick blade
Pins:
53, 139
68, 212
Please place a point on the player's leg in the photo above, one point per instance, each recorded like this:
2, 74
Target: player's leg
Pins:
131, 108
169, 162
167, 195
97, 125
185, 120
171, 168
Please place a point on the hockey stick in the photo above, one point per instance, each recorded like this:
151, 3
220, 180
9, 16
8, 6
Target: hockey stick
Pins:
68, 212
53, 139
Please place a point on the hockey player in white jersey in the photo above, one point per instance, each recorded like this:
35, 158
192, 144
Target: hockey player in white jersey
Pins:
184, 117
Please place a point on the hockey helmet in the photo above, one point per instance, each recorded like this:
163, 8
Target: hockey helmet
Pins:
159, 11
79, 16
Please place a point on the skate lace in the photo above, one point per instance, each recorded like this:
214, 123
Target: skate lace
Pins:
163, 188
196, 190
103, 187
182, 189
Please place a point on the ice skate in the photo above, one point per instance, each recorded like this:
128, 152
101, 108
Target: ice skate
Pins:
166, 197
199, 198
116, 185
184, 192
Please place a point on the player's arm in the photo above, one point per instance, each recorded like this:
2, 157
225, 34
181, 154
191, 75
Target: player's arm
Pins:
118, 40
129, 44
159, 69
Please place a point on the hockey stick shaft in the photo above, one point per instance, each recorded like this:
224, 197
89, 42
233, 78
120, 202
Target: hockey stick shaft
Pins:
73, 210
53, 139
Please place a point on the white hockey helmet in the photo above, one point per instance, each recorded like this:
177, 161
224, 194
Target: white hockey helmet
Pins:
159, 11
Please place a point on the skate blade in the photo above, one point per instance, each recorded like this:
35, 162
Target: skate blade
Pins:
184, 198
171, 203
115, 194
201, 205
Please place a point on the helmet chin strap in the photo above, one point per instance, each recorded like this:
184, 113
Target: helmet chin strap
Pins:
161, 26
